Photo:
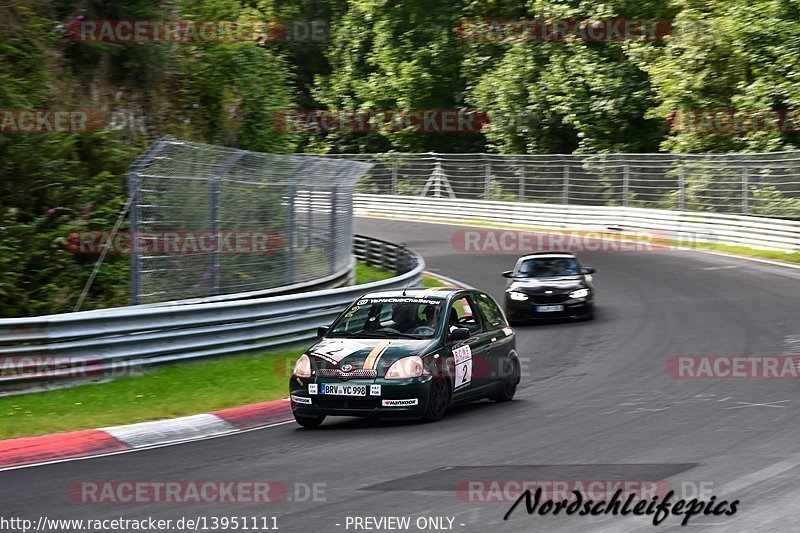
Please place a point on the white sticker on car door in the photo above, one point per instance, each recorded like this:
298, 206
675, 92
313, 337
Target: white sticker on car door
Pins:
463, 362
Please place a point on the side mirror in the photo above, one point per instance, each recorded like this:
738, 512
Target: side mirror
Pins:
508, 274
459, 334
321, 331
588, 270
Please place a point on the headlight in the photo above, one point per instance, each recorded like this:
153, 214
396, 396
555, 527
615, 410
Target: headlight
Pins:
302, 367
407, 367
519, 296
580, 293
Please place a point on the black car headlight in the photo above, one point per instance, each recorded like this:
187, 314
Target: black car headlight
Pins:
579, 293
518, 296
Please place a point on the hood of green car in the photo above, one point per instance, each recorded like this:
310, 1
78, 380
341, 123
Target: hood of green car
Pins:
353, 353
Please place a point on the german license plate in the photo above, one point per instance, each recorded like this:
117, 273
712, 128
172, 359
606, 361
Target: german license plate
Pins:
335, 389
549, 308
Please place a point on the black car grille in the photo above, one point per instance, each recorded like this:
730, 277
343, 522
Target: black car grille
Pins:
344, 376
544, 299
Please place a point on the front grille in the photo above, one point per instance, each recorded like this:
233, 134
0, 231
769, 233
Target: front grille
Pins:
544, 299
344, 376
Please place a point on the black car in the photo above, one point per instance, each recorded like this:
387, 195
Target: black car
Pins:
409, 354
548, 285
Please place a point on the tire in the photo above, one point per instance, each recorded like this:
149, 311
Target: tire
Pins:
438, 400
309, 421
508, 388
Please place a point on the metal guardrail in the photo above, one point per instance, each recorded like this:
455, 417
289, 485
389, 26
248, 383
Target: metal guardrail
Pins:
684, 226
766, 184
89, 343
342, 278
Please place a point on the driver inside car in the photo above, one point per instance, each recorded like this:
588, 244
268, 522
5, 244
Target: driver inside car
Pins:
403, 317
406, 320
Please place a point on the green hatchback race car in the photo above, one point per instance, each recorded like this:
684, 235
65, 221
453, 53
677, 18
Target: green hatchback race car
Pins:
407, 354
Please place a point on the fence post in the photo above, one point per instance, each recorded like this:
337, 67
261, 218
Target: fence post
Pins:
133, 194
521, 194
291, 191
333, 237
309, 199
220, 169
566, 184
681, 187
625, 184
215, 231
745, 190
393, 190
487, 188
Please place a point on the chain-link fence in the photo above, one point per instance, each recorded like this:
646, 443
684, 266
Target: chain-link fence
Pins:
208, 220
756, 184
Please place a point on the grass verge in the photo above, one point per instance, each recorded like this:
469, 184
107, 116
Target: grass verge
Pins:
752, 252
367, 273
163, 392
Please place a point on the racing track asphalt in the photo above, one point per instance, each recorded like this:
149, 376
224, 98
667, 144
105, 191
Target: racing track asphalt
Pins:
597, 398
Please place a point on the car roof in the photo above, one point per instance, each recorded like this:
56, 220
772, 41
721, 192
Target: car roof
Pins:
548, 254
432, 293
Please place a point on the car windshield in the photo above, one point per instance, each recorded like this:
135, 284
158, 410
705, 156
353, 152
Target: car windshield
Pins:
399, 317
548, 267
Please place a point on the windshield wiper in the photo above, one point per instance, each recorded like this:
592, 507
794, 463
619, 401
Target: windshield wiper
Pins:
388, 334
342, 334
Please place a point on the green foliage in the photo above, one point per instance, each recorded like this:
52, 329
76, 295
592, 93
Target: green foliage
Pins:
387, 55
736, 54
770, 202
52, 185
367, 273
570, 96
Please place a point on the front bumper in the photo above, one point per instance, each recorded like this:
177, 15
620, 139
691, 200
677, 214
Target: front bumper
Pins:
527, 309
371, 405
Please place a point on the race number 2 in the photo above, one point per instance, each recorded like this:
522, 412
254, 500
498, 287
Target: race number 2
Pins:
463, 363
